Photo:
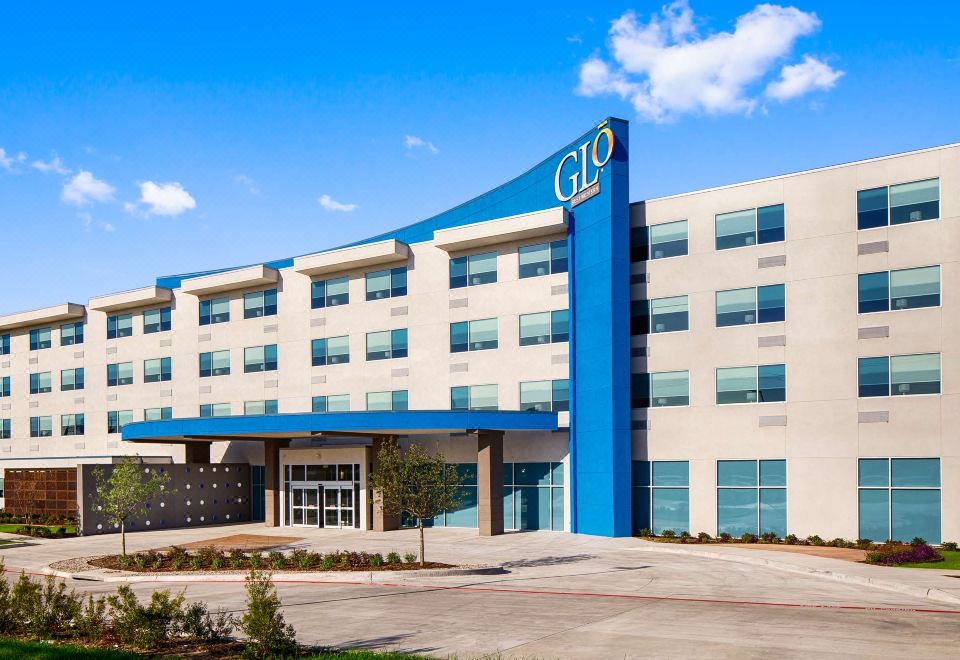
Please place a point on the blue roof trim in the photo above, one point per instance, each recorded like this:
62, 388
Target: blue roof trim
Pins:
350, 422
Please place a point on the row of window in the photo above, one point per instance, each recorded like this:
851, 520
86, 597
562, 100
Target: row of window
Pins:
876, 207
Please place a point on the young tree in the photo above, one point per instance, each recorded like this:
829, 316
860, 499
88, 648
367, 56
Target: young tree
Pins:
125, 494
415, 483
268, 634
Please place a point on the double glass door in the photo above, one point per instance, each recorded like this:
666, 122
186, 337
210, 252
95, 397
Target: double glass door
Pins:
305, 506
338, 506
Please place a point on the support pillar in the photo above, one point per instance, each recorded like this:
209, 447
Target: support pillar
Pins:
490, 482
272, 481
381, 521
197, 452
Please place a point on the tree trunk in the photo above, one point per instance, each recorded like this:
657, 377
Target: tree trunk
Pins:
123, 538
422, 558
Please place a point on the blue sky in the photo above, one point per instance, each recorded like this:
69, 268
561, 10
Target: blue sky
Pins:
206, 137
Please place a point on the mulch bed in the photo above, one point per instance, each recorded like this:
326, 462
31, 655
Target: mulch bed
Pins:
111, 562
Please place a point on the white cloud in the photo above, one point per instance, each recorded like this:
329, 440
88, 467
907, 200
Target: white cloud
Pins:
248, 183
330, 204
666, 67
168, 199
799, 79
54, 165
84, 188
8, 161
413, 142
106, 226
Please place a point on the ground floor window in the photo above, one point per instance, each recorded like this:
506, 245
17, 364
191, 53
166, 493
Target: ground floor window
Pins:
533, 496
258, 493
466, 514
323, 495
752, 497
661, 496
899, 499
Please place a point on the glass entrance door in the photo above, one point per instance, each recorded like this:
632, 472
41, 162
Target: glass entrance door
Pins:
305, 506
338, 506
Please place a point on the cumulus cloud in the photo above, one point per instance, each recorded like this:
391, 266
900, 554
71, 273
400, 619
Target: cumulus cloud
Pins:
167, 199
412, 142
665, 67
7, 161
330, 204
84, 188
54, 165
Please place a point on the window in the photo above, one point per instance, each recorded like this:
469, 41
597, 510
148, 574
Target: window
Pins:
473, 270
543, 259
157, 414
545, 395
473, 335
72, 424
898, 204
119, 325
333, 350
260, 303
899, 499
155, 371
390, 283
331, 403
260, 358
750, 227
660, 390
396, 400
156, 320
216, 363
41, 383
5, 432
545, 327
533, 496
763, 384
41, 427
4, 344
40, 339
661, 496
899, 375
752, 497
215, 410
71, 379
898, 289
474, 397
119, 374
117, 419
764, 304
216, 310
268, 407
71, 333
4, 386
330, 293
668, 239
387, 344
660, 315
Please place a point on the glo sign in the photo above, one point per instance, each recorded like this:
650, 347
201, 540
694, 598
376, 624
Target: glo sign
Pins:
577, 178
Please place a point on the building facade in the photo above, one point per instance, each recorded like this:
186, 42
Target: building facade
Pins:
767, 357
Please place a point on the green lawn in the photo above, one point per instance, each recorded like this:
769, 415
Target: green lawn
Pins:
951, 560
12, 528
10, 648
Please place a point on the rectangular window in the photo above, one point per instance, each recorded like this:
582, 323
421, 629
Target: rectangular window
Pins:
660, 390
41, 383
900, 499
216, 363
72, 424
4, 344
898, 375
474, 397
668, 239
157, 414
260, 358
117, 419
260, 303
5, 429
395, 401
71, 379
533, 497
750, 227
158, 370
329, 293
71, 334
765, 304
897, 290
331, 403
661, 496
387, 344
543, 259
764, 384
156, 320
390, 283
216, 310
41, 427
473, 270
545, 327
119, 374
40, 339
477, 335
215, 410
898, 204
333, 350
669, 314
268, 407
545, 395
752, 497
119, 325
4, 387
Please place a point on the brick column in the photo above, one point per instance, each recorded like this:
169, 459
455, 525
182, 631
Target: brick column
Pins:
272, 480
381, 522
197, 452
490, 482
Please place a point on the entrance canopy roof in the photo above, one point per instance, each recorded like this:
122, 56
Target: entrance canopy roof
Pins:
304, 425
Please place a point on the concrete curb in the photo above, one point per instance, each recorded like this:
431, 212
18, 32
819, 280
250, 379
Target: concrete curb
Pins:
929, 593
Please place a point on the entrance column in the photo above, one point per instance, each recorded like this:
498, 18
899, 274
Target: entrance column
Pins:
490, 482
381, 521
196, 452
272, 481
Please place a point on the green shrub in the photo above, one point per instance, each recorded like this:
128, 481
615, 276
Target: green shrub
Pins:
45, 609
949, 545
769, 537
918, 540
177, 563
393, 558
815, 540
198, 624
140, 560
196, 562
791, 539
256, 559
863, 544
376, 560
645, 532
92, 621
703, 537
123, 561
328, 562
158, 562
176, 552
894, 554
747, 537
267, 633
276, 559
840, 543
207, 554
668, 534
8, 616
410, 557
145, 627
723, 537
237, 558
